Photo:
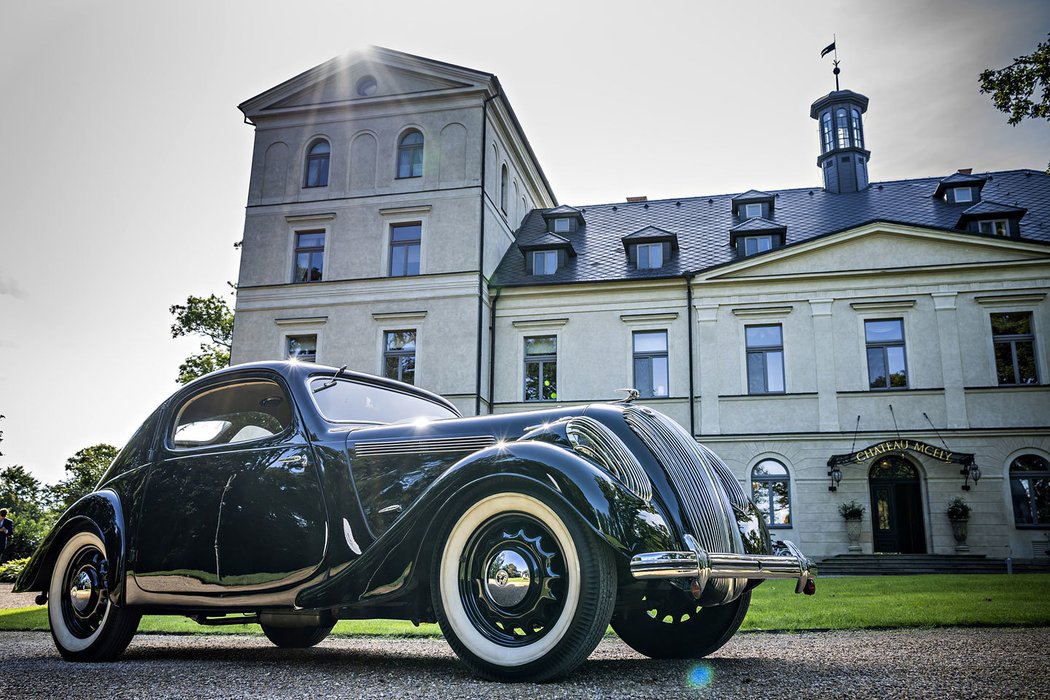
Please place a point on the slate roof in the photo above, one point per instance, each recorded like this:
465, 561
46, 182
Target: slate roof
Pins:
757, 224
987, 206
702, 224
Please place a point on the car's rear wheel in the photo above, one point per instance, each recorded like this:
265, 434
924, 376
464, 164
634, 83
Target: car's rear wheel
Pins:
522, 589
297, 637
85, 624
671, 625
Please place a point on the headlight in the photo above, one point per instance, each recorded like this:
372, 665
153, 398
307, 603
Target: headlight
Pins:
596, 442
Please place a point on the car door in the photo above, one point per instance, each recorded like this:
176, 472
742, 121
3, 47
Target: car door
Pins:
233, 500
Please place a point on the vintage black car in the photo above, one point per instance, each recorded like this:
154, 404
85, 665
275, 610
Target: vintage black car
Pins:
295, 495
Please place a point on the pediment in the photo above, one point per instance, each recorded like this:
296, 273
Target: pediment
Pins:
337, 82
881, 247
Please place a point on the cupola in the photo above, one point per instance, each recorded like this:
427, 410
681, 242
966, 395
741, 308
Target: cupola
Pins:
843, 158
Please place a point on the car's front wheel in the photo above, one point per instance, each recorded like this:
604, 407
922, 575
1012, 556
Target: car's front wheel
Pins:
85, 624
297, 637
670, 625
522, 589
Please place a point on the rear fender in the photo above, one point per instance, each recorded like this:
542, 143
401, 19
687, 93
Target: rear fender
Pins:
98, 512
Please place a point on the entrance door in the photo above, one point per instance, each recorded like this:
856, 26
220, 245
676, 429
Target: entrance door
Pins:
896, 507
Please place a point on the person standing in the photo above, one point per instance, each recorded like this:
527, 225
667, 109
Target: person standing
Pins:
7, 530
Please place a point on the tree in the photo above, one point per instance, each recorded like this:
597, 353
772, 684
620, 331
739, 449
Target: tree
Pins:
212, 318
26, 499
1012, 87
83, 471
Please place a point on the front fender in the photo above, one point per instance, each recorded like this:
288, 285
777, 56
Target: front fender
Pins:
99, 512
399, 560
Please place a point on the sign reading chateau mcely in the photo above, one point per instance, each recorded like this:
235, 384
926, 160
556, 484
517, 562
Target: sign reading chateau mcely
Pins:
901, 445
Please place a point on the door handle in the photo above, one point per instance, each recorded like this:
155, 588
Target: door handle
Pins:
295, 459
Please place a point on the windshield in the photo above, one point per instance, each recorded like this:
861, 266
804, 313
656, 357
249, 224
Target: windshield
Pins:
343, 401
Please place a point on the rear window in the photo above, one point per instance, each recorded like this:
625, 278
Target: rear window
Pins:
231, 414
343, 401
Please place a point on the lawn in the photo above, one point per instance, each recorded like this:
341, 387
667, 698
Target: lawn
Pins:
855, 602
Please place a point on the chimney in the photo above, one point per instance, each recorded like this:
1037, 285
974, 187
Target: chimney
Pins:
643, 198
966, 171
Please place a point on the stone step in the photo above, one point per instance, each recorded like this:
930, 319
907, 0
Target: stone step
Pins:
905, 564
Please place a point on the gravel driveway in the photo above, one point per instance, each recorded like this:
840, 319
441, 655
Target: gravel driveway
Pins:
963, 663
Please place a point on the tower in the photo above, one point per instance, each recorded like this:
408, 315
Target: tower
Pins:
843, 158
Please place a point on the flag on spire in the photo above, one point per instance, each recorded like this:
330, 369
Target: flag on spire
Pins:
827, 49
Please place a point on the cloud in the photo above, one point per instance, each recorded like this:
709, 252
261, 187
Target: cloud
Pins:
9, 288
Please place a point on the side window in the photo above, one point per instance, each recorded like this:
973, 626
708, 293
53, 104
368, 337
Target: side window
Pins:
410, 155
1030, 491
541, 368
1014, 348
765, 359
309, 256
650, 363
399, 356
230, 414
405, 241
317, 159
771, 492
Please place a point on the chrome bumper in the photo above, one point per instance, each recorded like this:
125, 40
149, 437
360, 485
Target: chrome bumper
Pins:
788, 562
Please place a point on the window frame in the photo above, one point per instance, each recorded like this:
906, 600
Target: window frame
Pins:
1013, 473
764, 351
827, 132
541, 361
309, 357
175, 413
311, 251
968, 199
748, 210
1013, 339
400, 251
410, 150
648, 248
885, 346
649, 356
758, 240
995, 225
504, 180
562, 220
767, 483
323, 161
546, 255
400, 354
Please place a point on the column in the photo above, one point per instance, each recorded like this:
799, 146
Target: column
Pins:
951, 359
824, 362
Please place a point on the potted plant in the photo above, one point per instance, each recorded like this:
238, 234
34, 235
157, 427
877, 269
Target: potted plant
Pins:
958, 513
852, 512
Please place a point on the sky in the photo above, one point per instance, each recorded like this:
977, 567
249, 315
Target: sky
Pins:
124, 162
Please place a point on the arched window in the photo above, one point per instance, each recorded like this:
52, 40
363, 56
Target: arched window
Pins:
410, 155
317, 158
1030, 490
825, 132
771, 492
841, 129
858, 137
503, 189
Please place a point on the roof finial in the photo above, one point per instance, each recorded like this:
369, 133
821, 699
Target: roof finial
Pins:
835, 61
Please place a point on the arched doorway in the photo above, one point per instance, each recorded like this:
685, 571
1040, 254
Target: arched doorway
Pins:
896, 507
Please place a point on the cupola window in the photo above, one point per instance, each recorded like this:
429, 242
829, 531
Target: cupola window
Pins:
858, 138
825, 132
841, 128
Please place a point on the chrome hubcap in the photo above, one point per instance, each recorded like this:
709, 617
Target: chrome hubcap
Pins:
81, 592
507, 582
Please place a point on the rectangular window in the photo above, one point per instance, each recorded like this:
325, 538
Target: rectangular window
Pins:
404, 249
887, 365
765, 359
757, 244
309, 256
963, 194
752, 210
544, 262
650, 363
302, 348
399, 356
995, 227
562, 225
1014, 348
650, 256
541, 368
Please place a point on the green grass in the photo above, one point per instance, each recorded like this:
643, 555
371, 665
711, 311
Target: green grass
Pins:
856, 602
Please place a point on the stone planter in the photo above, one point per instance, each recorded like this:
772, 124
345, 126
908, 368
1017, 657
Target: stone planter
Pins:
959, 533
853, 535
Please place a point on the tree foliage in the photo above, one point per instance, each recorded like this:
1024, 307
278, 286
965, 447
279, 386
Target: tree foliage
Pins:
83, 471
1012, 87
29, 506
211, 318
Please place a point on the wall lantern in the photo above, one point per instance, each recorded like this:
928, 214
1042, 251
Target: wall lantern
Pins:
970, 471
836, 476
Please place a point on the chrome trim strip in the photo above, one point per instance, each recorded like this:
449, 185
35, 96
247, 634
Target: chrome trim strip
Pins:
595, 441
379, 448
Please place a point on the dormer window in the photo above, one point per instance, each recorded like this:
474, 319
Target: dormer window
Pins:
756, 244
562, 225
650, 256
994, 227
752, 210
962, 195
544, 262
